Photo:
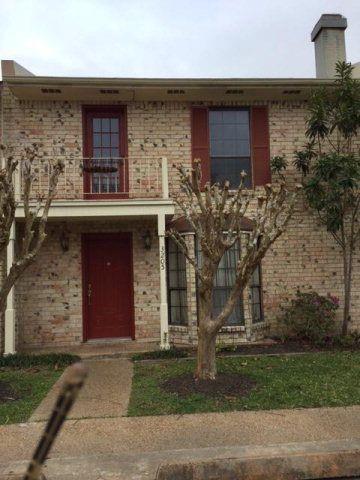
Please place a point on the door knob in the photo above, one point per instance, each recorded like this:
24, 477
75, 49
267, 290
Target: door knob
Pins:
89, 293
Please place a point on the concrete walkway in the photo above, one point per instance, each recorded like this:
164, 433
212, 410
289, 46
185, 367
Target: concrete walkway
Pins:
105, 394
124, 435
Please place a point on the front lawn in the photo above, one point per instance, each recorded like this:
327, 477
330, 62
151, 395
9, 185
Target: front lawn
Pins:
24, 382
299, 381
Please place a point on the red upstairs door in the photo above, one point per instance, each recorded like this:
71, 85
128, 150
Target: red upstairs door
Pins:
107, 286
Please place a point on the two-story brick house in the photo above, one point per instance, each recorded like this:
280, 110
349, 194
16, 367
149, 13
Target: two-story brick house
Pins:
106, 271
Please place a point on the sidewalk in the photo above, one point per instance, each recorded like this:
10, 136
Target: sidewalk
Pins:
285, 461
123, 435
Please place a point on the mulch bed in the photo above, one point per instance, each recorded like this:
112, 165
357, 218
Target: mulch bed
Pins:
7, 393
225, 384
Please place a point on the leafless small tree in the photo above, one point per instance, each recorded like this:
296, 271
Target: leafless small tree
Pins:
216, 217
35, 210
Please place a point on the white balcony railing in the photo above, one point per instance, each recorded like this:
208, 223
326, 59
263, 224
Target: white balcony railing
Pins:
102, 178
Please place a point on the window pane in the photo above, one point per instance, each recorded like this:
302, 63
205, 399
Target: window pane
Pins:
105, 138
256, 277
105, 124
95, 183
114, 124
114, 139
257, 316
97, 140
96, 124
175, 298
256, 300
256, 295
229, 169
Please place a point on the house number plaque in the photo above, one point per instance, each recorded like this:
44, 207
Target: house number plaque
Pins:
162, 257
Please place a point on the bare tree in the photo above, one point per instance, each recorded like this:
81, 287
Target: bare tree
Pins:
216, 216
35, 210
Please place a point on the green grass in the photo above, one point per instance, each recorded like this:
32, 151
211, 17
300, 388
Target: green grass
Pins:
302, 381
31, 376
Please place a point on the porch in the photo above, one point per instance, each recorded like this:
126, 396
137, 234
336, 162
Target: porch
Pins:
58, 306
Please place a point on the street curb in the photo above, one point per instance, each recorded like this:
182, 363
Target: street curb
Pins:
310, 460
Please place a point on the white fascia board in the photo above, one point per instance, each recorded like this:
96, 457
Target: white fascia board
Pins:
97, 209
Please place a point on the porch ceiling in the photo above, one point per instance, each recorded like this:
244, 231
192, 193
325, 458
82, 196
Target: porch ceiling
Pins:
137, 89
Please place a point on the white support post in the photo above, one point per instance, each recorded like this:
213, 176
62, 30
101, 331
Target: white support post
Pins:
9, 327
164, 324
17, 183
165, 178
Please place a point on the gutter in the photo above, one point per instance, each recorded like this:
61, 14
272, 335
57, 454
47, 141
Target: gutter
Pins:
167, 82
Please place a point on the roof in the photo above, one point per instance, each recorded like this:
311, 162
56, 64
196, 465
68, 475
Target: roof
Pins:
191, 89
25, 85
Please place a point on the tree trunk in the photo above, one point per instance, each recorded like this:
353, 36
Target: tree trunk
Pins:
347, 264
206, 356
206, 351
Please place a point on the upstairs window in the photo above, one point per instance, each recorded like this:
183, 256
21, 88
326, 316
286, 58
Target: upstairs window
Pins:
229, 140
105, 153
104, 150
230, 146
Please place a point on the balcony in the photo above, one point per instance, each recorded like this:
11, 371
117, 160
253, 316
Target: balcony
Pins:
101, 184
103, 178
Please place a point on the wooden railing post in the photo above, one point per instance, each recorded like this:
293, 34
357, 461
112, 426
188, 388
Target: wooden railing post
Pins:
17, 182
165, 178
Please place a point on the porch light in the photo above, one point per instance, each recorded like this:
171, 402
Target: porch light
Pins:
64, 240
147, 239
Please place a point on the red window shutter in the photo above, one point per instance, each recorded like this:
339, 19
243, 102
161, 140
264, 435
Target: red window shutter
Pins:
200, 146
123, 132
260, 148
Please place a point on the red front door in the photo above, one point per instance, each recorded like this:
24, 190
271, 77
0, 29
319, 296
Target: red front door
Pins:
107, 286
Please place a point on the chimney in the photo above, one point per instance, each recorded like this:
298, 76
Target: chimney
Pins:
328, 36
9, 68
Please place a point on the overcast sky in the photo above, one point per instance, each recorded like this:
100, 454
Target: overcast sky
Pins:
169, 38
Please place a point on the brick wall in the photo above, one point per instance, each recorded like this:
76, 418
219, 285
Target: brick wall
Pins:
305, 256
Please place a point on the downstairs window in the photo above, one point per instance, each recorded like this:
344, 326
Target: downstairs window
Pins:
176, 279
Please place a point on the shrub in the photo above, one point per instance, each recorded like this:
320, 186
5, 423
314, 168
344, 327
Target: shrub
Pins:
310, 316
159, 354
22, 360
